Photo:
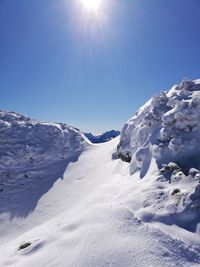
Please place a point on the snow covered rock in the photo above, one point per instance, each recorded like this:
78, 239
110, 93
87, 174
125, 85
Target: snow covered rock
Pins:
33, 154
26, 142
166, 128
163, 138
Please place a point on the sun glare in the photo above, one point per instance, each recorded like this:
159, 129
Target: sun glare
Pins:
92, 5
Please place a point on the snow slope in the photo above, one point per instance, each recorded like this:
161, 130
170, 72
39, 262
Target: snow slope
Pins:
100, 211
89, 219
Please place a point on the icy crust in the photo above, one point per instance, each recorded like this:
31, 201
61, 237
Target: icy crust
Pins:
29, 147
166, 128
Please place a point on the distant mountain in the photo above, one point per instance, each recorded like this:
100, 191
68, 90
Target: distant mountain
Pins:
102, 138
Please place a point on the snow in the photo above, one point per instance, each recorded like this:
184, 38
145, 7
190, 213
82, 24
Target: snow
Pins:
168, 127
166, 130
32, 156
93, 209
89, 219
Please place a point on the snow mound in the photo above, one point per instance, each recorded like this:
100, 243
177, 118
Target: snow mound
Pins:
167, 130
31, 153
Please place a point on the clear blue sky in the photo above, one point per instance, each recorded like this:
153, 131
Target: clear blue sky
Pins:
61, 62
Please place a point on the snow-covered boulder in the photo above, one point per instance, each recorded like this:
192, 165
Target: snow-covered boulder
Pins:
166, 128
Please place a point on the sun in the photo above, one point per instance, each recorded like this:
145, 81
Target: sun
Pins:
93, 5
